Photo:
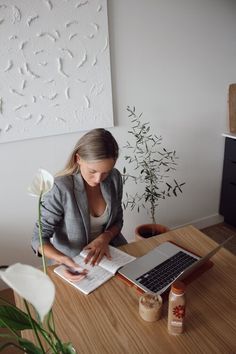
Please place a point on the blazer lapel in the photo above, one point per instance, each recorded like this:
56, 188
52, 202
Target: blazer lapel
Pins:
107, 195
82, 202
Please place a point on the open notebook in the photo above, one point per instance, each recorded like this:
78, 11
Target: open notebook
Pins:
158, 269
97, 275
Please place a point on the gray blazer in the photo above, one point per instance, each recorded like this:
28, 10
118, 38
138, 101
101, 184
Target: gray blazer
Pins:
66, 217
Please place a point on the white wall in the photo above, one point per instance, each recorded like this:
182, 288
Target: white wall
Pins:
174, 61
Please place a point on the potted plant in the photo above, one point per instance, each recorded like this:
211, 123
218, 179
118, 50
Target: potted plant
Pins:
153, 165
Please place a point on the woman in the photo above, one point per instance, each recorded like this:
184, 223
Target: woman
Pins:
84, 208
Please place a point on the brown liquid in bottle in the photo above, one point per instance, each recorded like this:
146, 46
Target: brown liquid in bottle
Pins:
176, 308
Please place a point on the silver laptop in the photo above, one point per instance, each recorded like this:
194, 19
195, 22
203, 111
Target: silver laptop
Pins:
158, 269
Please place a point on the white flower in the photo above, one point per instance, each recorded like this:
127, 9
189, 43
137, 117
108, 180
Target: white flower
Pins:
31, 284
42, 183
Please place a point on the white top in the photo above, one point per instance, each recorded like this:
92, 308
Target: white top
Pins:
98, 223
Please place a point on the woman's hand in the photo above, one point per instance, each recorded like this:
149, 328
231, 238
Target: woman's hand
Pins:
97, 249
73, 271
73, 274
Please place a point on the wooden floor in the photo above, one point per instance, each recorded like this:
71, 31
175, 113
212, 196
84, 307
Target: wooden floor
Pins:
220, 232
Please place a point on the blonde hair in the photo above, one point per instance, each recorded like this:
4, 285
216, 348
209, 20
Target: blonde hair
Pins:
97, 144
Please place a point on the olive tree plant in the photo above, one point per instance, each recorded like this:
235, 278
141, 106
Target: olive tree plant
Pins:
153, 166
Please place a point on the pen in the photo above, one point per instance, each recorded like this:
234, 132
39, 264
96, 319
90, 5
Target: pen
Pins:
72, 270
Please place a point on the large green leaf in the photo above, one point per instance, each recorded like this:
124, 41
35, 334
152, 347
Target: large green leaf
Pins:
11, 316
29, 347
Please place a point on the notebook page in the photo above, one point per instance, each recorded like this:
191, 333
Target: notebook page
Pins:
118, 259
96, 276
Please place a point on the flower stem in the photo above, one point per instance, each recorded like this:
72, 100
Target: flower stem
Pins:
52, 329
41, 233
33, 326
41, 243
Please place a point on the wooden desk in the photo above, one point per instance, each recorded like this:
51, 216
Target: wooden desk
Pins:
107, 320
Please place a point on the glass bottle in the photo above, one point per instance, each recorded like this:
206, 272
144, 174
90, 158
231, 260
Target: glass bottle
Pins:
176, 308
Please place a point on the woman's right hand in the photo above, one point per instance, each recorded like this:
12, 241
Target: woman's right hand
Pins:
73, 271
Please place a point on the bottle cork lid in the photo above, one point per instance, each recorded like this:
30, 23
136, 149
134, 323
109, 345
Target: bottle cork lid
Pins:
178, 287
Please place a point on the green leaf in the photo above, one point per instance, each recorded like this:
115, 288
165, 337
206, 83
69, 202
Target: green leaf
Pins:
25, 345
29, 347
11, 316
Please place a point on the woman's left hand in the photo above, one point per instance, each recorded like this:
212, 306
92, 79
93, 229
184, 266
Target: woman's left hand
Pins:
97, 249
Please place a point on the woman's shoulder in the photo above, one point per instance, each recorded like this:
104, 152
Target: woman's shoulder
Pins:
69, 182
63, 182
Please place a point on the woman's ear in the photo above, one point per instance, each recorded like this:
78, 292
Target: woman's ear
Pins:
77, 158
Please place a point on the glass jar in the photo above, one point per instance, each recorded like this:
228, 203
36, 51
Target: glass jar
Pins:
150, 307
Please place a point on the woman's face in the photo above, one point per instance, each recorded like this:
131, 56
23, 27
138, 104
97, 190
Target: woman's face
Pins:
95, 172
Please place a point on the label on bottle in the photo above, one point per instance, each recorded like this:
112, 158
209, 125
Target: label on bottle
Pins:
177, 323
179, 311
176, 316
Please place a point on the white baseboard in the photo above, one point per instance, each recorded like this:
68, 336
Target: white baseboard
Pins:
203, 222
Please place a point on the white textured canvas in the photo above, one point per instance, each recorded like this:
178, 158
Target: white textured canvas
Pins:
55, 73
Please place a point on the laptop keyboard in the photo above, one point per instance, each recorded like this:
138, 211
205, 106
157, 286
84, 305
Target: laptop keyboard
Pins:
166, 272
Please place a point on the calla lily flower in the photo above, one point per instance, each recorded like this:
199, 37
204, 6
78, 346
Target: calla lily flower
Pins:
42, 183
31, 284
